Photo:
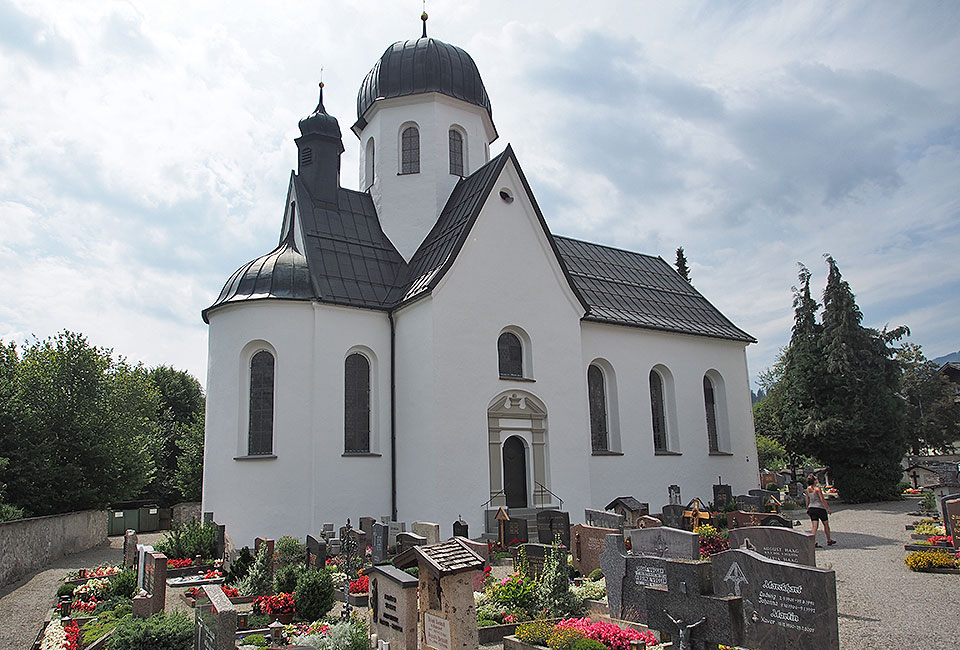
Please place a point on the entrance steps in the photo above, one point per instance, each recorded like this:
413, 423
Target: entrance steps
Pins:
529, 514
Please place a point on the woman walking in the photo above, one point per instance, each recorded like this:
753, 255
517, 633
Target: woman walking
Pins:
817, 509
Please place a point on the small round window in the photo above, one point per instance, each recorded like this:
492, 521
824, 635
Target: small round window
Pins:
506, 195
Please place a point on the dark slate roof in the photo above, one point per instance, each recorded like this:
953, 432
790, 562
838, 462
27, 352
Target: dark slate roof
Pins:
627, 288
630, 503
281, 273
353, 262
419, 66
440, 247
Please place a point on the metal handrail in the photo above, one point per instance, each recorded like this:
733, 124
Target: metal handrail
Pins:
488, 501
544, 488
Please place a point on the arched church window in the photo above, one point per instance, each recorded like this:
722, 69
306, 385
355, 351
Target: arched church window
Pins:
597, 393
510, 355
260, 437
410, 151
456, 153
369, 164
658, 412
710, 404
356, 406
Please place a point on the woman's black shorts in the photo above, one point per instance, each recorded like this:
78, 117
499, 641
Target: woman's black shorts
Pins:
817, 513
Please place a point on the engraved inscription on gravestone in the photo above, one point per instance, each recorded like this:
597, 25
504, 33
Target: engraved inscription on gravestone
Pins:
553, 522
785, 606
776, 543
665, 542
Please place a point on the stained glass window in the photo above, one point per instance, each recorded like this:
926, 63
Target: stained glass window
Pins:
410, 151
260, 438
596, 390
456, 152
356, 407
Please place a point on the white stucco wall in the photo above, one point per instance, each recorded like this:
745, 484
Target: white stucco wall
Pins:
310, 481
408, 204
505, 275
632, 353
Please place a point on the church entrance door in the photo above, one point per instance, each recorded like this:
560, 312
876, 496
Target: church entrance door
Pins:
515, 472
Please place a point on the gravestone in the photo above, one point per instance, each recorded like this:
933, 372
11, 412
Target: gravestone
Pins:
216, 620
333, 546
672, 515
587, 545
673, 495
393, 605
378, 546
366, 525
665, 542
482, 550
630, 508
406, 541
359, 538
551, 523
764, 494
749, 503
688, 610
603, 519
426, 529
130, 549
514, 531
722, 495
773, 519
154, 584
536, 556
640, 572
613, 563
316, 552
646, 521
327, 531
776, 543
394, 528
951, 518
785, 606
461, 529
947, 524
740, 519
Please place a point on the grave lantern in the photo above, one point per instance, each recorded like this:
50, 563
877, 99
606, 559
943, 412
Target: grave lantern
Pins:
276, 632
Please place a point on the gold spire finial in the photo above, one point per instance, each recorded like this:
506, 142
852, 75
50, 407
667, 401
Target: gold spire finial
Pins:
424, 17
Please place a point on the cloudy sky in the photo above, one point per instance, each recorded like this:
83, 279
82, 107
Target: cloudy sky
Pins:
145, 147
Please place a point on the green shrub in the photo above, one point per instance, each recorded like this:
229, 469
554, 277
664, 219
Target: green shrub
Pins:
596, 574
189, 540
105, 621
124, 584
65, 590
587, 644
928, 501
535, 632
486, 622
359, 634
290, 550
773, 487
592, 589
903, 485
553, 589
240, 566
257, 581
285, 578
414, 571
159, 632
255, 639
314, 595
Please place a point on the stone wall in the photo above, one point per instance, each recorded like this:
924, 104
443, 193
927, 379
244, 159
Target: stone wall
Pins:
30, 544
184, 512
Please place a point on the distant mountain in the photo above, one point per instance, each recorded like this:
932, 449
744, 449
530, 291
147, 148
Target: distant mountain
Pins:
953, 356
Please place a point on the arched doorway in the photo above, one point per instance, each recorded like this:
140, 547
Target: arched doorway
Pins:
515, 472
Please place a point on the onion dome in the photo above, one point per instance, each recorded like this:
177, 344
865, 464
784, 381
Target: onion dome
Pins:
321, 123
423, 65
282, 273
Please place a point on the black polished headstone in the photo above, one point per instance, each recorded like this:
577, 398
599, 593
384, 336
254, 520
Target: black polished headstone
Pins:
461, 529
514, 531
640, 572
785, 606
749, 503
773, 519
763, 494
673, 495
551, 523
316, 552
366, 525
776, 543
673, 515
378, 546
722, 495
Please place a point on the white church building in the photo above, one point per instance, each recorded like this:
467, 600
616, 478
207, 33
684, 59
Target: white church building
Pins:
426, 348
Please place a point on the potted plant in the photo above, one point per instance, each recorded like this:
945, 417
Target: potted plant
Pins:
278, 607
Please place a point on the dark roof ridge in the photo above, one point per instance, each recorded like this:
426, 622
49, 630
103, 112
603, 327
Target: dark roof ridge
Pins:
608, 246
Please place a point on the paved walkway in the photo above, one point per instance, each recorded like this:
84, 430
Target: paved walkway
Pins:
882, 603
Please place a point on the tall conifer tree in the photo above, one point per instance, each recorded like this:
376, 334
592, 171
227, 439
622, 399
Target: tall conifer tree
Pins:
682, 267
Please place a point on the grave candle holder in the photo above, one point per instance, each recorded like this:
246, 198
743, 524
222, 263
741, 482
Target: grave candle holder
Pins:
276, 632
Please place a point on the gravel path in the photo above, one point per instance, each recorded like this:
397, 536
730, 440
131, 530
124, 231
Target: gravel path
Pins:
882, 603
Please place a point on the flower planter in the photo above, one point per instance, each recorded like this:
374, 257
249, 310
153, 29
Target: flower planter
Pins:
596, 608
193, 569
286, 619
496, 633
513, 643
359, 600
926, 547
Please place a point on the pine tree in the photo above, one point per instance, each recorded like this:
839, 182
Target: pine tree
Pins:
682, 267
858, 427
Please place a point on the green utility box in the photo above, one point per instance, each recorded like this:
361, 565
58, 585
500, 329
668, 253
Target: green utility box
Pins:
149, 519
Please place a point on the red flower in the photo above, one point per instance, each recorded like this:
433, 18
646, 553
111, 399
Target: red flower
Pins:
277, 605
175, 563
360, 586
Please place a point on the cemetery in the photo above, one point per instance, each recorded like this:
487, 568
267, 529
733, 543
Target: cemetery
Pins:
692, 576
